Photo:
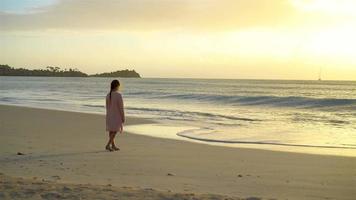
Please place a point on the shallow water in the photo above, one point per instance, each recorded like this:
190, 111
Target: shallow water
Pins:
315, 114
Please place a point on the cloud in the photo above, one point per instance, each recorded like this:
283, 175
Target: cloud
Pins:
24, 6
152, 15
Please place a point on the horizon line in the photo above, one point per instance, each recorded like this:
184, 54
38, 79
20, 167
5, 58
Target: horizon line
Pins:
248, 79
218, 78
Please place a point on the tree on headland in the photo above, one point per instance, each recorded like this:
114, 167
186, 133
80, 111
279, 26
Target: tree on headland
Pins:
6, 70
119, 73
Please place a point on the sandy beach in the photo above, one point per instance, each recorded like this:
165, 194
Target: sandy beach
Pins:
62, 156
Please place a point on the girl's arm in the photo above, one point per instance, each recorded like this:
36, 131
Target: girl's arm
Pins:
121, 109
106, 104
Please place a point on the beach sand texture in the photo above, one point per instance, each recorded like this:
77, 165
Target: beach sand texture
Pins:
64, 157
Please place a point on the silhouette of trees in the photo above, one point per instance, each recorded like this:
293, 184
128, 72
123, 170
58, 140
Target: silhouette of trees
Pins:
6, 70
120, 73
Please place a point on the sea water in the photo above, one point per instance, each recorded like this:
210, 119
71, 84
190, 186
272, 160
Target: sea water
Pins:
283, 113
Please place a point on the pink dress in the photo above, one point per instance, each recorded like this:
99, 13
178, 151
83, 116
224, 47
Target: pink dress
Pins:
115, 115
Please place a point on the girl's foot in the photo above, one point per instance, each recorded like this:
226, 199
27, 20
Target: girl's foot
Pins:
108, 148
115, 148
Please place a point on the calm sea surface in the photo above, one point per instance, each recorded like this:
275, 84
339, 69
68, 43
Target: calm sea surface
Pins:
286, 113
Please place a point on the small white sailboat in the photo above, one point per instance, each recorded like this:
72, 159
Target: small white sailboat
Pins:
320, 74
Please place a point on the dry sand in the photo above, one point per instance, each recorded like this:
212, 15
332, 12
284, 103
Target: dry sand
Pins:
19, 188
64, 158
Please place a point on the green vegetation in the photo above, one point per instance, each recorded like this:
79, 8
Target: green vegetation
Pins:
6, 70
120, 73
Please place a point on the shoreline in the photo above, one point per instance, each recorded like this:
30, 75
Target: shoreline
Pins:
177, 135
68, 148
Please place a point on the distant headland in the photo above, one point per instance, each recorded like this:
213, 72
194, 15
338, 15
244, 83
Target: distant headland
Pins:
6, 70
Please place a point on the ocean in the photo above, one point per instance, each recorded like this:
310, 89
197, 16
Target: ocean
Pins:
315, 114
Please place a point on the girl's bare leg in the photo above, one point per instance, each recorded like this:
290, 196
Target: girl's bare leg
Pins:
113, 146
111, 138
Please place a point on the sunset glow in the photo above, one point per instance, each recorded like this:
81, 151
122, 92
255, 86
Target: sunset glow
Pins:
280, 39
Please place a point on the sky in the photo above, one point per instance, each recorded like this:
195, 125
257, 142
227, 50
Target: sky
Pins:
237, 39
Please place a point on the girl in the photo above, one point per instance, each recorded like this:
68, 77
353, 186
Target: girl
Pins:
115, 116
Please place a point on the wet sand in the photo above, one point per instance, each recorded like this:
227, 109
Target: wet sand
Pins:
65, 149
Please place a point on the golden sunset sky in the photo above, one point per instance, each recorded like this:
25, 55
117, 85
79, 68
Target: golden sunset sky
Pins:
262, 39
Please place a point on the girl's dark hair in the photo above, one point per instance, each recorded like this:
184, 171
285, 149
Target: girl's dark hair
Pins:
114, 84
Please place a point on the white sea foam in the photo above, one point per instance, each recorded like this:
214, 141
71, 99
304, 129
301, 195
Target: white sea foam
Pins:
259, 112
